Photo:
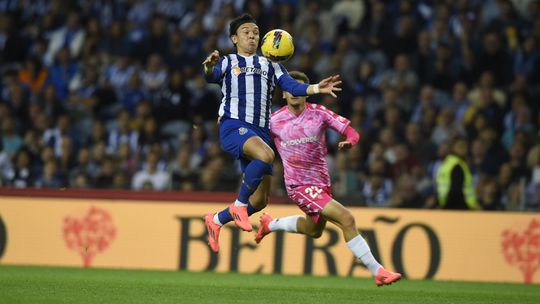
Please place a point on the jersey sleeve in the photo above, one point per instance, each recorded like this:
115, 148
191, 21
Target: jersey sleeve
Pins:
218, 71
334, 121
287, 83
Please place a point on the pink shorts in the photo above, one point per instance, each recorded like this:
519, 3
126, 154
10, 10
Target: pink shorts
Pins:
311, 199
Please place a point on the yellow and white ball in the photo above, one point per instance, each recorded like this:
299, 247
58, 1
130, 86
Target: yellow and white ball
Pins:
277, 45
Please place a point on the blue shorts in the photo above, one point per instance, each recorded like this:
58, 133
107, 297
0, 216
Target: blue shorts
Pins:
233, 133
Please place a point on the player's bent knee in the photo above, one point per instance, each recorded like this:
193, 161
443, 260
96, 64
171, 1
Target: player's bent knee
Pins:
347, 220
315, 234
272, 155
268, 156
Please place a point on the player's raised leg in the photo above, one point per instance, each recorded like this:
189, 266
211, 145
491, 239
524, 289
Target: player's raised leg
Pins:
337, 214
343, 218
259, 199
214, 221
311, 200
262, 158
293, 224
257, 176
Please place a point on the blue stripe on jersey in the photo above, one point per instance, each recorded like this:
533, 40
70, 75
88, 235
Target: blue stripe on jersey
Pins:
271, 86
257, 96
271, 74
228, 79
241, 90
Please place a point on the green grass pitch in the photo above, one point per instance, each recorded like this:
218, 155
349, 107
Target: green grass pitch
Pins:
20, 284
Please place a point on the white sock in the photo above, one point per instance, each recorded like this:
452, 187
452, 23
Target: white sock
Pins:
238, 203
284, 223
361, 250
216, 219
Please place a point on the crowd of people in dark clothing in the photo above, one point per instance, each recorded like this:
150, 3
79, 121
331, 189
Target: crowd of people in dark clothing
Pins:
110, 94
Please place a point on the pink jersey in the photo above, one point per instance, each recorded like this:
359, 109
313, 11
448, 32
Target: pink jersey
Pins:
301, 142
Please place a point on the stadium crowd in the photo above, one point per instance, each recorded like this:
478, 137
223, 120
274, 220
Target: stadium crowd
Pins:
110, 93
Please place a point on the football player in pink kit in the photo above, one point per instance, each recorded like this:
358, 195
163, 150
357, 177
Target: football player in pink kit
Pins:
298, 130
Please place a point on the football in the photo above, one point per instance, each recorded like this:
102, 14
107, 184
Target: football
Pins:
277, 45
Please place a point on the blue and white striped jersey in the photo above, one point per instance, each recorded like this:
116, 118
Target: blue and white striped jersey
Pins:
247, 84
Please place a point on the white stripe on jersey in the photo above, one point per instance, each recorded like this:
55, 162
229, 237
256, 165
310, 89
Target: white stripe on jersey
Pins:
279, 71
234, 92
224, 65
250, 87
265, 66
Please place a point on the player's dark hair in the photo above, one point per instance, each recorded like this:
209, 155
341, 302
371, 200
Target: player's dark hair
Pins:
238, 21
299, 76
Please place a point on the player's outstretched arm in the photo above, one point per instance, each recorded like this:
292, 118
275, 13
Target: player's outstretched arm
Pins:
351, 139
344, 145
210, 62
328, 85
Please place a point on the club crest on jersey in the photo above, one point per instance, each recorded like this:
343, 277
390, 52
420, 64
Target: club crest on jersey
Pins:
242, 131
235, 71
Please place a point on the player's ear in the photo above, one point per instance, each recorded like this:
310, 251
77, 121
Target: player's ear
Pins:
234, 39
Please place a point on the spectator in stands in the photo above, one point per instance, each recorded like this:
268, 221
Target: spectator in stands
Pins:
51, 104
172, 107
85, 165
5, 165
402, 78
33, 75
133, 94
481, 163
489, 198
71, 35
118, 74
406, 195
150, 136
62, 72
444, 129
108, 169
517, 119
150, 174
123, 133
494, 58
21, 175
377, 191
154, 76
460, 103
50, 177
12, 44
183, 174
455, 185
53, 136
116, 43
11, 141
527, 59
126, 159
79, 181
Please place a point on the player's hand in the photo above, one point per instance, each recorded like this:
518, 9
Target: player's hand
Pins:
330, 85
211, 60
344, 145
